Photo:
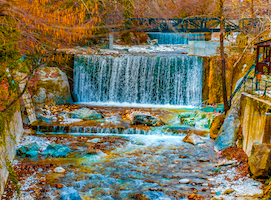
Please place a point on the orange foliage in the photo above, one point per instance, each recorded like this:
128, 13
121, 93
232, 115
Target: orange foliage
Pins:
5, 94
49, 24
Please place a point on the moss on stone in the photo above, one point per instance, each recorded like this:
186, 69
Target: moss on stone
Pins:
216, 125
5, 119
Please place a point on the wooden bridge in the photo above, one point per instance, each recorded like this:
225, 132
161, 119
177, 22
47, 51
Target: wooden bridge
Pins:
189, 24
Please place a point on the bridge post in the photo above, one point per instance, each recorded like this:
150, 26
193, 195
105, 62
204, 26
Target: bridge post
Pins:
111, 40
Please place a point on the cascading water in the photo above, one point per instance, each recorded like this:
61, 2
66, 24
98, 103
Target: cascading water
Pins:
176, 38
174, 80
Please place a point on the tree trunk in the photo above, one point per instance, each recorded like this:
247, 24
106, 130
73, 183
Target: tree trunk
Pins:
222, 56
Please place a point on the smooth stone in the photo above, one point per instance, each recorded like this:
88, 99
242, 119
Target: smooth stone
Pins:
193, 139
184, 181
146, 120
59, 170
85, 114
95, 140
56, 150
69, 194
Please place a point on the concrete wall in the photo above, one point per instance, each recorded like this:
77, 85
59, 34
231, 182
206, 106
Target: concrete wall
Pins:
203, 48
14, 130
256, 125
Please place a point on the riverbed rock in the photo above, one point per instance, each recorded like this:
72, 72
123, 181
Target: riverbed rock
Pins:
30, 150
184, 181
193, 139
59, 170
47, 119
85, 114
50, 84
147, 120
56, 150
227, 133
95, 140
216, 125
260, 160
155, 195
69, 194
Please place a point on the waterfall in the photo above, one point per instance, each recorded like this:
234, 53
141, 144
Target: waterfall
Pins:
176, 38
174, 80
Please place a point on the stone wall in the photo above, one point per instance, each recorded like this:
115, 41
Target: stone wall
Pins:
203, 48
13, 131
255, 121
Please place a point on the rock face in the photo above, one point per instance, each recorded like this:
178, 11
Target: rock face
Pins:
260, 160
50, 84
12, 131
85, 114
227, 133
256, 126
216, 125
193, 139
56, 150
146, 120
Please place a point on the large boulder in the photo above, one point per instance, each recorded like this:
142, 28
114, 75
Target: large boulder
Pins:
147, 120
227, 133
29, 150
193, 139
56, 150
85, 113
260, 161
50, 84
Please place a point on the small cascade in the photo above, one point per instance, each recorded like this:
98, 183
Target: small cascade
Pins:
176, 38
156, 80
100, 130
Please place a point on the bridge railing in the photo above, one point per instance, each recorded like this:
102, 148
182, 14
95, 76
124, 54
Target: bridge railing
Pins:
190, 24
249, 74
258, 87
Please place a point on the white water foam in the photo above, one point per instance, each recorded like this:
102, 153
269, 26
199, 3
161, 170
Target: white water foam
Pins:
136, 105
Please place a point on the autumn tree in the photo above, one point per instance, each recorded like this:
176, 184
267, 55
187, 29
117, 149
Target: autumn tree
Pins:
35, 29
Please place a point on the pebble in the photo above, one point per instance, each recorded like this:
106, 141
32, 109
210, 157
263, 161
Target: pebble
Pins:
229, 191
225, 163
59, 170
184, 181
203, 160
59, 186
205, 184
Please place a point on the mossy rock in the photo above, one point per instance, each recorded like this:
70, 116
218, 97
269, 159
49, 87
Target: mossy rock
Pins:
216, 125
50, 84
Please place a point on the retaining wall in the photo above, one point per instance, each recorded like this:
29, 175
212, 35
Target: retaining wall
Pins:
255, 121
13, 131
